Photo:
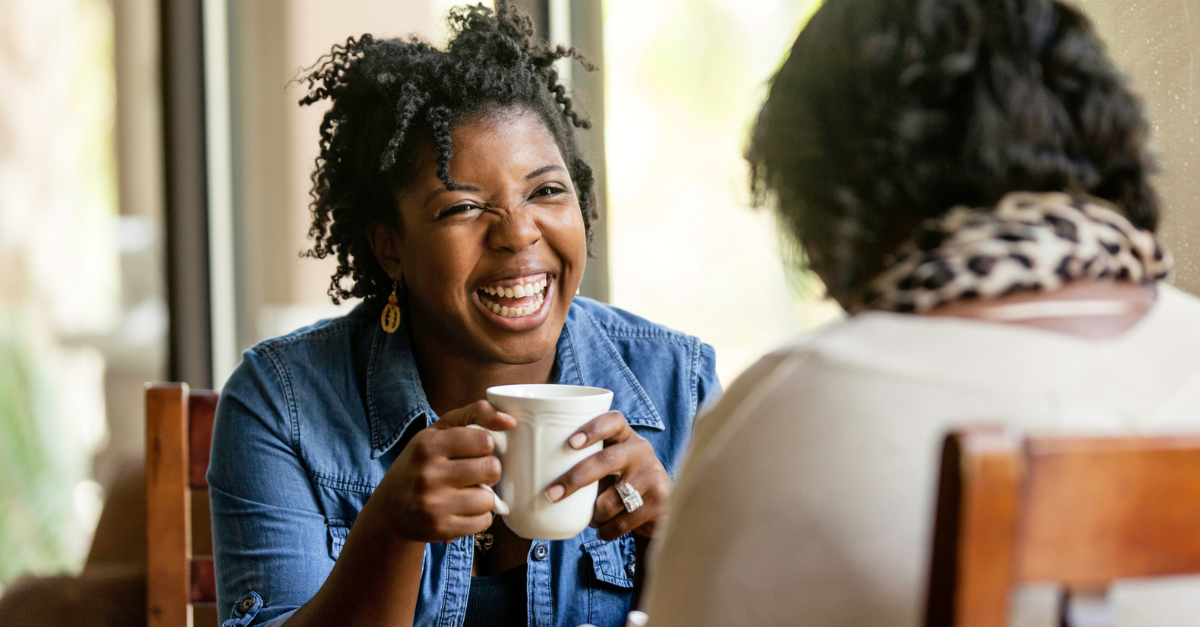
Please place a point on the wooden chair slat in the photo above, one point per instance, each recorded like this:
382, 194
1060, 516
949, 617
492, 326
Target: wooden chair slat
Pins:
975, 525
168, 508
1101, 509
204, 580
1078, 512
202, 406
179, 426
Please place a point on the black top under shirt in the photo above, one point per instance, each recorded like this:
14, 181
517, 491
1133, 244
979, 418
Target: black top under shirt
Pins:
498, 600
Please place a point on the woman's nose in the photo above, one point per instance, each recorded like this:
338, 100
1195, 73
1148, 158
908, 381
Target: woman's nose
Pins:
515, 232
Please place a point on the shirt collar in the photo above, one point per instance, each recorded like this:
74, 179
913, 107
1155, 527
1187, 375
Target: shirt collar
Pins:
394, 393
586, 356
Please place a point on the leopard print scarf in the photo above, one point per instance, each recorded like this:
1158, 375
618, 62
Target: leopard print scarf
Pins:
1029, 241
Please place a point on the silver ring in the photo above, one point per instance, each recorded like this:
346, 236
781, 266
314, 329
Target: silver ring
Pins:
629, 495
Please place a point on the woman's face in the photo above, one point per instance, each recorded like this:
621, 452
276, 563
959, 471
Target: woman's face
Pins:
491, 266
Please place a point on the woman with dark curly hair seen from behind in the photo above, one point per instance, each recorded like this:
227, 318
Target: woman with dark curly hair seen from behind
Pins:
345, 484
970, 179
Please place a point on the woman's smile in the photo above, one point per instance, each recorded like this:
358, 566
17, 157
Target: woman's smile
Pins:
516, 303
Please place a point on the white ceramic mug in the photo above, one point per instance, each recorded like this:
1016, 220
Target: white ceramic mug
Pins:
535, 453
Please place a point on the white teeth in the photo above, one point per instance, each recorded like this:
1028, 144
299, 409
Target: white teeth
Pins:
514, 312
518, 291
535, 289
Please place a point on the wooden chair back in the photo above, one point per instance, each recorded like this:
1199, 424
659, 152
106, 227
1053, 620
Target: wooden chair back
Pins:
1078, 512
179, 425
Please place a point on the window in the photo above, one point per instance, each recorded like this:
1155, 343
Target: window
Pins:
683, 82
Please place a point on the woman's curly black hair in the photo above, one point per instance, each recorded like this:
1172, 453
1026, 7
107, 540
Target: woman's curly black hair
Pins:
388, 96
887, 112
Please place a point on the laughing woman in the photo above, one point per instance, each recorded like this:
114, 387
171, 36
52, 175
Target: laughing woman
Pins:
344, 483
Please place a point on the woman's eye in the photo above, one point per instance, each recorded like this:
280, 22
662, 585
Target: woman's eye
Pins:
549, 190
456, 209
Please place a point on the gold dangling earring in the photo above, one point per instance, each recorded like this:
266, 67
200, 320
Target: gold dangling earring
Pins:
391, 312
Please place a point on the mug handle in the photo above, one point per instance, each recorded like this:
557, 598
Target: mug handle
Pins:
501, 442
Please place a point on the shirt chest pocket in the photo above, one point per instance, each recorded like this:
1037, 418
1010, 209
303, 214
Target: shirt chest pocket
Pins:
341, 505
613, 562
610, 588
338, 530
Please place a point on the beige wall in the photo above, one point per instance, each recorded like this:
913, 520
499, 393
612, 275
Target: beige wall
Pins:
312, 27
276, 143
1157, 42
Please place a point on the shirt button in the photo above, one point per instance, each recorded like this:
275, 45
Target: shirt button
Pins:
540, 550
246, 604
631, 569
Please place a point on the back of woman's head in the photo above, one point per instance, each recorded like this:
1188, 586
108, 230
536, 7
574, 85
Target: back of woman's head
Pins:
391, 98
887, 112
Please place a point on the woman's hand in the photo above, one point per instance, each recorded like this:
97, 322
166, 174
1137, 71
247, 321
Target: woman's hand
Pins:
432, 490
630, 458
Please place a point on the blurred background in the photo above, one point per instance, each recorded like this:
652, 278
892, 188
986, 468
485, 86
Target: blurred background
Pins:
154, 199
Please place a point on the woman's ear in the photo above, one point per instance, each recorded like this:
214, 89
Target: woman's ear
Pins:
385, 243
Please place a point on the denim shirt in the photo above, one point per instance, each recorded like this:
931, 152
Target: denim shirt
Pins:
309, 423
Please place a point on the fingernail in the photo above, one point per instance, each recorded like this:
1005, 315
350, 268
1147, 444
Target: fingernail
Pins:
577, 440
554, 492
504, 415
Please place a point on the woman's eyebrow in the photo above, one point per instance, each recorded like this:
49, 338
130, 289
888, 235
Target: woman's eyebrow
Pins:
542, 170
454, 187
471, 188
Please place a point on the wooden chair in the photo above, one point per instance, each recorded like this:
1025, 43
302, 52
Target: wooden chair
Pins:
179, 425
1078, 512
